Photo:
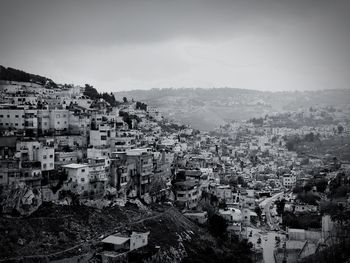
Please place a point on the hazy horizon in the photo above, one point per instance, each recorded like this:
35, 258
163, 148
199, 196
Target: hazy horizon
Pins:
265, 45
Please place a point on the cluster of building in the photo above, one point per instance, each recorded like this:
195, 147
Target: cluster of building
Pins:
60, 137
59, 141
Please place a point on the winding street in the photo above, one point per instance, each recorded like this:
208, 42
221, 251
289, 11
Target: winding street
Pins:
265, 205
267, 237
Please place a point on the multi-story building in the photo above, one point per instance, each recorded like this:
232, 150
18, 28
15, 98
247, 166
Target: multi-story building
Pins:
187, 193
289, 180
120, 172
102, 135
78, 180
97, 176
143, 172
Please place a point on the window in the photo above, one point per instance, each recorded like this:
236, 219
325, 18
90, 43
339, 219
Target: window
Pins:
58, 122
44, 165
83, 170
8, 116
103, 137
1, 116
82, 179
51, 164
58, 116
17, 116
51, 156
44, 157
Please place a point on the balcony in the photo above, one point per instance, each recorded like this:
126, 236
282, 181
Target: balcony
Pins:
98, 179
97, 176
145, 179
146, 173
29, 164
147, 165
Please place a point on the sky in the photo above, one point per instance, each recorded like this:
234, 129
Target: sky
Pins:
274, 45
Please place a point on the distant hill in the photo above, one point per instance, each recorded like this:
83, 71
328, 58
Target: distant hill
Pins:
11, 74
207, 108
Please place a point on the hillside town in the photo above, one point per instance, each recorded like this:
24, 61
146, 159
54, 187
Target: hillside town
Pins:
280, 183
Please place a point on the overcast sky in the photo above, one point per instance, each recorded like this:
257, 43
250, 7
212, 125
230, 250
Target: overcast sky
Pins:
123, 45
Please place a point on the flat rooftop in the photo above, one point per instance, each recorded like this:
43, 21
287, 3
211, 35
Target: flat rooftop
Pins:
74, 166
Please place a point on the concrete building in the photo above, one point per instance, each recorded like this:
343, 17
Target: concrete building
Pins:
289, 181
187, 193
78, 177
143, 173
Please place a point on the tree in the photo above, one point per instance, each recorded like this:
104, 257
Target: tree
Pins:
91, 92
241, 164
109, 98
213, 199
340, 129
258, 186
290, 145
241, 181
308, 187
233, 181
272, 184
341, 191
280, 204
125, 100
321, 185
308, 198
222, 204
217, 226
141, 106
310, 137
258, 211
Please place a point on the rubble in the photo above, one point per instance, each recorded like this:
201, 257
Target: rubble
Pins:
22, 199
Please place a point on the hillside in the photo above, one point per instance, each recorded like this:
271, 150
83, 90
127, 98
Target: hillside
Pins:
207, 108
55, 232
11, 74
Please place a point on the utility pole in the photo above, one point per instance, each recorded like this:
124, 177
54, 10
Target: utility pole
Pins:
285, 256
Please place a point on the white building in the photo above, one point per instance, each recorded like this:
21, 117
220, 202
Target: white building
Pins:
78, 177
289, 180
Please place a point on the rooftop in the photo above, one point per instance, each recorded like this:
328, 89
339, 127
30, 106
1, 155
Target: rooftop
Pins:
74, 166
116, 240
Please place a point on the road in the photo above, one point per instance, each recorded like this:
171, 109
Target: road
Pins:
265, 205
268, 242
